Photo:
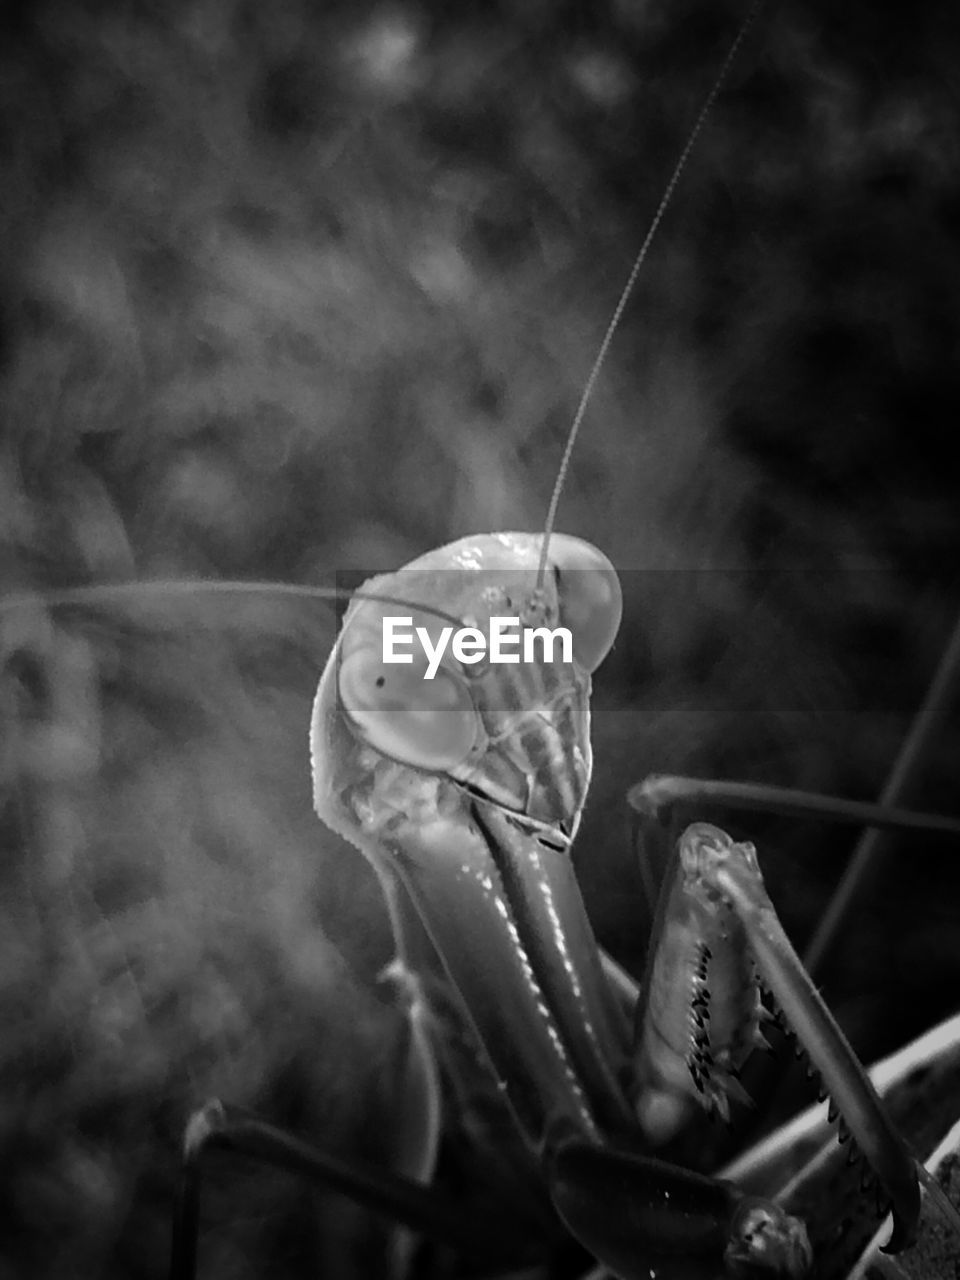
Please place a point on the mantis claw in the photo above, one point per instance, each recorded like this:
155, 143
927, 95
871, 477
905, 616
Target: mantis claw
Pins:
730, 870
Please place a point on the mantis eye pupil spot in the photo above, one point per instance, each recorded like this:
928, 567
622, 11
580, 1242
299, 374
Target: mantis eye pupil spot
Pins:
426, 724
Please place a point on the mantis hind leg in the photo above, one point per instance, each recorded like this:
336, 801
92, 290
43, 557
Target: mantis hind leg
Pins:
216, 1127
397, 1190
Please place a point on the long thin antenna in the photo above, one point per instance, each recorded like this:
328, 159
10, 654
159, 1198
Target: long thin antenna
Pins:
102, 592
627, 290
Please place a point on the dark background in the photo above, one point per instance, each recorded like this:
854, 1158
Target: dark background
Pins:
291, 289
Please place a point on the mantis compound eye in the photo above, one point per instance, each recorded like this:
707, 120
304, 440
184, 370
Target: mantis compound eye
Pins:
591, 602
427, 724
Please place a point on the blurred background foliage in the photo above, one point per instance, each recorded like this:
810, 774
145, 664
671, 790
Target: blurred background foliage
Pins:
294, 288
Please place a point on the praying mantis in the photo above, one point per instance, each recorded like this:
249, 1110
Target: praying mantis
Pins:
51, 839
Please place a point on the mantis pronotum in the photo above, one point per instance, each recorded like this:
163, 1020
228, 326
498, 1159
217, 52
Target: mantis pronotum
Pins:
54, 801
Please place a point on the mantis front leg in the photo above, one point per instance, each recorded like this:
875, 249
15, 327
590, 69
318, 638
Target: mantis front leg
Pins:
719, 943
